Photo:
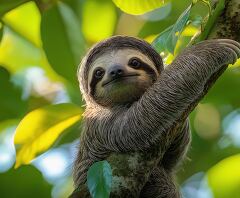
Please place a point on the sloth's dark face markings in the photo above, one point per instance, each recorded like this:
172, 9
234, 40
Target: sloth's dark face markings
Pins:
155, 128
121, 77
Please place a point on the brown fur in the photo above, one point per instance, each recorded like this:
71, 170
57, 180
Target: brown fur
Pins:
145, 141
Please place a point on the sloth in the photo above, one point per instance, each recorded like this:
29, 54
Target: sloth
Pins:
137, 111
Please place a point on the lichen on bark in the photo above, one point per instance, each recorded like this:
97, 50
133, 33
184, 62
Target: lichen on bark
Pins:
228, 24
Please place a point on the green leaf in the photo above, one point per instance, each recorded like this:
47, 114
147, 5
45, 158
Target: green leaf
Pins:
224, 178
196, 20
1, 32
62, 40
25, 20
99, 179
25, 54
137, 7
177, 29
24, 182
6, 5
212, 19
228, 82
167, 40
160, 42
8, 123
39, 129
158, 14
105, 13
11, 104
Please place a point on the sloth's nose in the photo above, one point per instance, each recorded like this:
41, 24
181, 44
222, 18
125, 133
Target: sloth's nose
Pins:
116, 71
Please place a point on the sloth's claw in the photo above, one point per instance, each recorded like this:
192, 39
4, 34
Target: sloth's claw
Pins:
233, 55
231, 48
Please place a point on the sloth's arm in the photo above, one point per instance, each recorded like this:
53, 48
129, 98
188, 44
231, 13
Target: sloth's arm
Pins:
175, 94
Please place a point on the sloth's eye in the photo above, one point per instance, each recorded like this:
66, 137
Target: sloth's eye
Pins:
135, 63
99, 73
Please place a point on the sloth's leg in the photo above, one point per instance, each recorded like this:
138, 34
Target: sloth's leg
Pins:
160, 185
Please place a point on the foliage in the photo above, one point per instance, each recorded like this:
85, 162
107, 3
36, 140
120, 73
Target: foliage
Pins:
139, 6
1, 31
104, 12
99, 179
225, 182
11, 105
168, 39
41, 45
28, 182
47, 125
61, 21
7, 5
212, 18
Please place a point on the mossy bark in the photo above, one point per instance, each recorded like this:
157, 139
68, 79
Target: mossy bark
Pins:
228, 24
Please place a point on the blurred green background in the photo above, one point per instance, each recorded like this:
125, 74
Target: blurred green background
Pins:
42, 43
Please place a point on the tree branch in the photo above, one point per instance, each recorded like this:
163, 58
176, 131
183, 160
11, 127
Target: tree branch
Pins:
228, 24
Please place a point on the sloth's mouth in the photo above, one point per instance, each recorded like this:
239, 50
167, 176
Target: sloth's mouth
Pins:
120, 78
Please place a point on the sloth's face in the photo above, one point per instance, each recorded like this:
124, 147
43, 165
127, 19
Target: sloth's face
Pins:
120, 77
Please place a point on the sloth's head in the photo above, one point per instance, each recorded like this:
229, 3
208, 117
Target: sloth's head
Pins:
118, 71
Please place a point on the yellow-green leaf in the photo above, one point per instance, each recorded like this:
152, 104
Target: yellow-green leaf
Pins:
41, 128
224, 178
137, 7
105, 13
25, 20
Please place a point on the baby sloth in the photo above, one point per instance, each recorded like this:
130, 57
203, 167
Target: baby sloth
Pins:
137, 112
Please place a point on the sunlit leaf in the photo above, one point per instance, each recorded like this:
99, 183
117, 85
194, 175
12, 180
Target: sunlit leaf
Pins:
62, 40
150, 38
25, 20
167, 40
41, 128
21, 44
189, 31
224, 178
99, 18
24, 52
11, 104
137, 7
6, 5
99, 179
169, 59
